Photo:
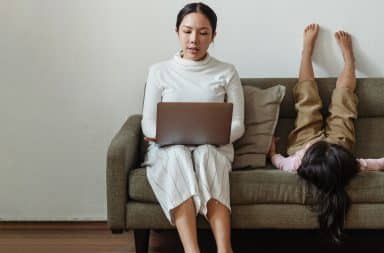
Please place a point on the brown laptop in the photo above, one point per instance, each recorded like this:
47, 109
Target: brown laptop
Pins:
193, 123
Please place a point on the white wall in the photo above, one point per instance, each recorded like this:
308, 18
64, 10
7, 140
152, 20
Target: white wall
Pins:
72, 71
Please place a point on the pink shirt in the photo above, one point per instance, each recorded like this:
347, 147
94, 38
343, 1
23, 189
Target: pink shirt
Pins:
292, 163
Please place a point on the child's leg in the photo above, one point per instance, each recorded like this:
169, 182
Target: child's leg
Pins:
340, 127
309, 120
306, 68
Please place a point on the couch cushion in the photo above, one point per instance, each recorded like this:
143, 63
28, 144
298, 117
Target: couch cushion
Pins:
367, 187
270, 185
370, 137
369, 125
369, 92
261, 116
267, 185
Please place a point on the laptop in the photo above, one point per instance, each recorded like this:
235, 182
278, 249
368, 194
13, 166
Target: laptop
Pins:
193, 123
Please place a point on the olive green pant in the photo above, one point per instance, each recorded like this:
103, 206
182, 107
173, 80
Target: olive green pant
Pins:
310, 126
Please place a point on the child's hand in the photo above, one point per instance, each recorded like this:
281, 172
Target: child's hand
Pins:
272, 149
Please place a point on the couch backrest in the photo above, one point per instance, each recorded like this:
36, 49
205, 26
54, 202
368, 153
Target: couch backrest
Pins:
370, 123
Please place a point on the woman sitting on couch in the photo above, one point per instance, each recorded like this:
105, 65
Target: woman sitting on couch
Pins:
190, 180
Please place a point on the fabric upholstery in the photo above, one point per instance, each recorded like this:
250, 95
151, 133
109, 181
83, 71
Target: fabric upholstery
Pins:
122, 156
262, 198
262, 108
269, 185
260, 216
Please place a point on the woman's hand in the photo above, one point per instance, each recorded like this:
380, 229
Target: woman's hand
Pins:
272, 149
149, 139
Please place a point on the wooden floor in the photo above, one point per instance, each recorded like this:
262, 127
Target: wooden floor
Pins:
96, 238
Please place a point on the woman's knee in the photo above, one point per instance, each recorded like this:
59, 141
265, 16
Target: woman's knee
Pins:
204, 150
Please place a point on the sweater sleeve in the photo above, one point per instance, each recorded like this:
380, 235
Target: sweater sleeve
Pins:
152, 96
371, 164
235, 95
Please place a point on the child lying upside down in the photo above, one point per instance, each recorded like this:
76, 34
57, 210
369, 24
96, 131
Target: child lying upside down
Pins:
320, 150
293, 162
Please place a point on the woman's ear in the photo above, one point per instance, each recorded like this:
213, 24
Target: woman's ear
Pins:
213, 37
177, 33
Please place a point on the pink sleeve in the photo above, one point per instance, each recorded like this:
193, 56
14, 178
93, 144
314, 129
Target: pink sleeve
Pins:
289, 164
371, 164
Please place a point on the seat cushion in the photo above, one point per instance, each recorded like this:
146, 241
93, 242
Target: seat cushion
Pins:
267, 185
270, 185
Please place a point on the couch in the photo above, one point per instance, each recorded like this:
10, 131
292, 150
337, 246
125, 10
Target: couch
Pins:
261, 198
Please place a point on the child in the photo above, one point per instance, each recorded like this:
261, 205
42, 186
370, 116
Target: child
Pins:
321, 151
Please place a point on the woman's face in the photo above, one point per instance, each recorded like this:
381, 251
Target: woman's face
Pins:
195, 35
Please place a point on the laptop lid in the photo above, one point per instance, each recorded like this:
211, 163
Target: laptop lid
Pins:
193, 123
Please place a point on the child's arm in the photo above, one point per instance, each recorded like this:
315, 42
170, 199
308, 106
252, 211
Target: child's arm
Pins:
371, 164
289, 164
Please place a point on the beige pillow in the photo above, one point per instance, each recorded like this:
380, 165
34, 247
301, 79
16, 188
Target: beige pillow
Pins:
262, 108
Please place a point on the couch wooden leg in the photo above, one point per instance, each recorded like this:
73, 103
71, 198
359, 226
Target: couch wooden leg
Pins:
117, 231
141, 240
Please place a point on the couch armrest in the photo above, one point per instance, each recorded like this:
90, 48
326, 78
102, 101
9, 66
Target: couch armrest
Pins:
123, 155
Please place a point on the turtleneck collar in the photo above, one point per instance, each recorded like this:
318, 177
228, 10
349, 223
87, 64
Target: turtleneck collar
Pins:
191, 63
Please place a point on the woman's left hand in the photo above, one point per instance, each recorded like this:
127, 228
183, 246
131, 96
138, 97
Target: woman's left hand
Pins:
149, 139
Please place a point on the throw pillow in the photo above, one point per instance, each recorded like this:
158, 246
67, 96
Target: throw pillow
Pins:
262, 108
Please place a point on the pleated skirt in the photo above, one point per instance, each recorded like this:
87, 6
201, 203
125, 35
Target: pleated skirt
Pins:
177, 173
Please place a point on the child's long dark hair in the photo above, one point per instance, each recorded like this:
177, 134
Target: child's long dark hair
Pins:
329, 167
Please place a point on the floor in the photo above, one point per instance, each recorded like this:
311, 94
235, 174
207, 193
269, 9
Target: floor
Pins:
96, 238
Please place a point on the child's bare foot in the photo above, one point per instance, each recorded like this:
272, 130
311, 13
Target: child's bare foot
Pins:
345, 42
310, 35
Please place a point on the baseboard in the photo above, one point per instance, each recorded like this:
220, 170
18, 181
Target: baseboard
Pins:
53, 225
54, 219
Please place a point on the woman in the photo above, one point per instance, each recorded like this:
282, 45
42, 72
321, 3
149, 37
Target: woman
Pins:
190, 180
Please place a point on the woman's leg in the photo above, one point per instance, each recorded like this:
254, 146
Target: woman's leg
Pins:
173, 180
340, 127
185, 221
220, 221
309, 120
212, 172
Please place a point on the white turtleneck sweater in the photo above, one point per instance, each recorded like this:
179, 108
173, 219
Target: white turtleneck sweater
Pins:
183, 80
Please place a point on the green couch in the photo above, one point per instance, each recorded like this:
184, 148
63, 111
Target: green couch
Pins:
261, 198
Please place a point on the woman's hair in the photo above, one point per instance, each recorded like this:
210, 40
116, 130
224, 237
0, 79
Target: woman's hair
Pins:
200, 8
329, 167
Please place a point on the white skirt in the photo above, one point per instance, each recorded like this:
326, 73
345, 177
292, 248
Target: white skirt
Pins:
177, 173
